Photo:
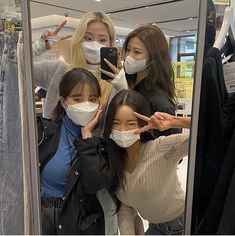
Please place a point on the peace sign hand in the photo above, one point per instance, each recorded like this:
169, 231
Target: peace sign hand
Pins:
52, 36
159, 120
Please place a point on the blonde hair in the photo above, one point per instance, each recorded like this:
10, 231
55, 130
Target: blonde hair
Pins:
77, 53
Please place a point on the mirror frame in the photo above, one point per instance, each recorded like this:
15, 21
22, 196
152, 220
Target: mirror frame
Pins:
195, 115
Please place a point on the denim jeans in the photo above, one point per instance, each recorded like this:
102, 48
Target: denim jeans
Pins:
11, 167
173, 227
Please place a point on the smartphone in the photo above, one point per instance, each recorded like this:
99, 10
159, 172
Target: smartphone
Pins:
109, 53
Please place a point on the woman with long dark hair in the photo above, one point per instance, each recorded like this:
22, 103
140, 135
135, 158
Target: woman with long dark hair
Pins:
149, 70
144, 168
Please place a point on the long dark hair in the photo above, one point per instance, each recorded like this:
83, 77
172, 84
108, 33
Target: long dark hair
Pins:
75, 78
160, 77
117, 154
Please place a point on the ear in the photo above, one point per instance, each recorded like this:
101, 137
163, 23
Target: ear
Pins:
63, 102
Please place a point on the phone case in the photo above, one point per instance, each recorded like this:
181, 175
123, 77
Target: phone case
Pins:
109, 53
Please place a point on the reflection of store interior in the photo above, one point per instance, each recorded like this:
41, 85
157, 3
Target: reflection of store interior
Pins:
182, 43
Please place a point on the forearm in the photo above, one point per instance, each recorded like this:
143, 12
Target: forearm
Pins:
181, 122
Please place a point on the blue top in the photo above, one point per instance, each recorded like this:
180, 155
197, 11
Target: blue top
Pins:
54, 175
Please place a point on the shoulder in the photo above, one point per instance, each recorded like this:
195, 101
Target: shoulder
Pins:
47, 126
162, 103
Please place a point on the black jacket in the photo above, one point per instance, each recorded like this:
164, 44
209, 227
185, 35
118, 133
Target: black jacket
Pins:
160, 103
220, 214
210, 146
81, 212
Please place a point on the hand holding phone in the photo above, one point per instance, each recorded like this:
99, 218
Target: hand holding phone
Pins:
110, 54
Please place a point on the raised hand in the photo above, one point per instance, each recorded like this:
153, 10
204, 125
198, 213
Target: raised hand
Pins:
159, 120
115, 69
87, 129
52, 35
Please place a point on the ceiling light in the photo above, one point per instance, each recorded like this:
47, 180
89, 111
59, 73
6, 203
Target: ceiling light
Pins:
97, 0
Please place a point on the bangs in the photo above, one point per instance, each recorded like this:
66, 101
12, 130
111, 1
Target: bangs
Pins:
94, 91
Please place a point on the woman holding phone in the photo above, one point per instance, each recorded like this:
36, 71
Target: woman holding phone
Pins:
94, 31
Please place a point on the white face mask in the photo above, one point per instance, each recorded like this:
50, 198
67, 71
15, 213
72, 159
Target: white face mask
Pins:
133, 66
92, 51
82, 113
124, 138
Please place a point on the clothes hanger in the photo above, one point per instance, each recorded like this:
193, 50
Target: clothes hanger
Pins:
227, 28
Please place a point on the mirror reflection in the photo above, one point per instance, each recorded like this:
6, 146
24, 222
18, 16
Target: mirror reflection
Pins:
106, 116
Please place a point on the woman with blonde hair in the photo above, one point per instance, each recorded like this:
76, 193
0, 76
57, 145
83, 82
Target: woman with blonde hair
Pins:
94, 30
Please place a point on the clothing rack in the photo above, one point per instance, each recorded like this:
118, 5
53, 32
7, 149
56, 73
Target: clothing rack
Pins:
11, 26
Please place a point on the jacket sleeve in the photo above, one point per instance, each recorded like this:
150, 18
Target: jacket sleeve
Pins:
45, 71
94, 164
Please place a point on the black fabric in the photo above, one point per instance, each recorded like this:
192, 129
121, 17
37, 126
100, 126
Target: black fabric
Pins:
227, 223
160, 103
228, 119
80, 212
93, 157
49, 219
222, 204
210, 27
48, 131
210, 147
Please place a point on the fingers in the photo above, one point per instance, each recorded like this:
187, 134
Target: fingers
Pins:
142, 117
57, 30
113, 68
119, 63
47, 45
141, 130
159, 115
109, 74
66, 36
100, 109
46, 33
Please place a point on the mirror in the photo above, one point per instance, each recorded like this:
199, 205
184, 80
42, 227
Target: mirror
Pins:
178, 21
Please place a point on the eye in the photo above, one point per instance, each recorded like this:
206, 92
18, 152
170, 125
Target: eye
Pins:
137, 52
104, 40
95, 100
115, 123
88, 38
78, 100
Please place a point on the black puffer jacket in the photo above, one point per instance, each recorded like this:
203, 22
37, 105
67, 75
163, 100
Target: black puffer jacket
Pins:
81, 212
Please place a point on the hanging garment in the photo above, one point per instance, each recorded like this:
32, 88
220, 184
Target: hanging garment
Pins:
25, 153
11, 184
210, 150
227, 224
222, 203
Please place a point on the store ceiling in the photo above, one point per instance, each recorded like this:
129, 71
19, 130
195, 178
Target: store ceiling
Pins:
174, 17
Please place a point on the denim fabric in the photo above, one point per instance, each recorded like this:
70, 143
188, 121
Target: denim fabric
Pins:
11, 169
174, 227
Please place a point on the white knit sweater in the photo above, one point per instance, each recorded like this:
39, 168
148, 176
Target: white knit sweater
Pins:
153, 189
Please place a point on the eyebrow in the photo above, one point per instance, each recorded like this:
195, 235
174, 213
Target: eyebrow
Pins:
102, 35
127, 120
80, 95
